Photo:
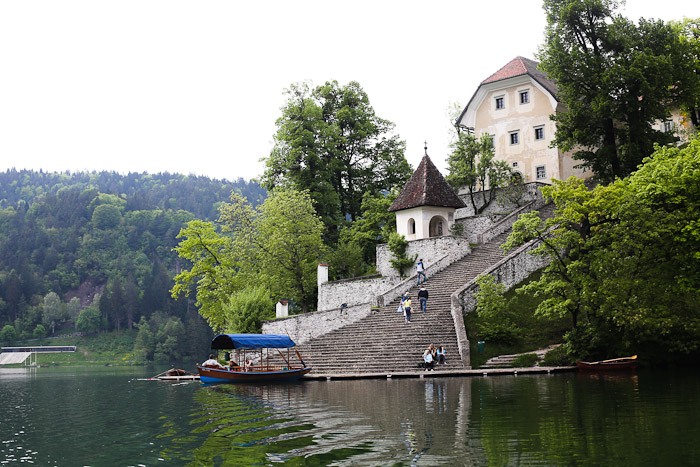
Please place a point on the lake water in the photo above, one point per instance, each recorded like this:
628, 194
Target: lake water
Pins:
108, 417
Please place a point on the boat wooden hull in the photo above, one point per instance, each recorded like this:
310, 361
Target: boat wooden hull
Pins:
216, 376
618, 364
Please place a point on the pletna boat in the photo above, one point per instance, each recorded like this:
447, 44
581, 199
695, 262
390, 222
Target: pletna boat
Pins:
254, 348
613, 364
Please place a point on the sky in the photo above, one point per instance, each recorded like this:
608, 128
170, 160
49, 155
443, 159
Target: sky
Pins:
195, 87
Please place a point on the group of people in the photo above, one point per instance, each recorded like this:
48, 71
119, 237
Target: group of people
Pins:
405, 304
212, 362
433, 356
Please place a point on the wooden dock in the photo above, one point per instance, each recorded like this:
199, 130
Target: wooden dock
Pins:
439, 373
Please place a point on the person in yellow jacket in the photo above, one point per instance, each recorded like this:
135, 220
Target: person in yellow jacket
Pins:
407, 308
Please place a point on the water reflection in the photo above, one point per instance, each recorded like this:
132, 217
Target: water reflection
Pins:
91, 418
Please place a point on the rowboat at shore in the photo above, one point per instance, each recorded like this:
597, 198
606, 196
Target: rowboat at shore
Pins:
257, 369
613, 364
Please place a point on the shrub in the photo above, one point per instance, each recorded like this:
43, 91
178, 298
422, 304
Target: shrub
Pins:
526, 360
398, 246
557, 357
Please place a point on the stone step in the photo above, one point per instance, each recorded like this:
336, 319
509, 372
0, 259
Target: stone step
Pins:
383, 342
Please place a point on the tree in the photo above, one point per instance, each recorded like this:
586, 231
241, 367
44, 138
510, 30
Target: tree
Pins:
53, 311
495, 322
39, 331
355, 253
90, 319
400, 261
615, 79
248, 309
624, 259
689, 95
283, 241
330, 142
471, 165
144, 344
278, 247
213, 274
8, 334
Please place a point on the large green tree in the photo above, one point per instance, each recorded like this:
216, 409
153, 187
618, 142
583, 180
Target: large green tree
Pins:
330, 142
615, 78
625, 259
276, 247
355, 254
471, 165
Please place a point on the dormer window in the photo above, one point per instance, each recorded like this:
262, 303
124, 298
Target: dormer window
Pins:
500, 103
525, 97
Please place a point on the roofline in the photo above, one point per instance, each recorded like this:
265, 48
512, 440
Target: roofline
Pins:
495, 84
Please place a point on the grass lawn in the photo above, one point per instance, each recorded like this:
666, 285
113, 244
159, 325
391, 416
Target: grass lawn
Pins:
98, 350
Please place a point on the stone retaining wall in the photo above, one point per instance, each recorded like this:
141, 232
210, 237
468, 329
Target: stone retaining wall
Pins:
304, 327
430, 249
354, 291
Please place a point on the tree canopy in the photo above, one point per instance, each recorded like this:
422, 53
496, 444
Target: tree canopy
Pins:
472, 166
93, 252
625, 259
274, 249
615, 79
330, 142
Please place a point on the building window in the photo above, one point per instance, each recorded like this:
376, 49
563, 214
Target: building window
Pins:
525, 97
515, 165
411, 227
539, 133
514, 137
668, 126
500, 103
540, 172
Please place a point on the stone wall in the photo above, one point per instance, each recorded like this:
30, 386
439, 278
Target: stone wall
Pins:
510, 271
304, 327
353, 291
430, 249
502, 204
476, 225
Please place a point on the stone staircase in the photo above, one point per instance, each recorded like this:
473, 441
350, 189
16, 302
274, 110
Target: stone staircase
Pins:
506, 361
383, 343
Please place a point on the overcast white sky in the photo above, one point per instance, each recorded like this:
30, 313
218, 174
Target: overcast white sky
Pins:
196, 87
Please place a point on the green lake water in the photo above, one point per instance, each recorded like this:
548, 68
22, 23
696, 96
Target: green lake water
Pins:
108, 417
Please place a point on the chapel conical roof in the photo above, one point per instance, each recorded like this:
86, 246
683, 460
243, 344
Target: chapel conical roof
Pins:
427, 187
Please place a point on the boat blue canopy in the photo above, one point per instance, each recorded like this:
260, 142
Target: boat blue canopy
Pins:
252, 341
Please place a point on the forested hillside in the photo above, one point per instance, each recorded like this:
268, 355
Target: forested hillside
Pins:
94, 251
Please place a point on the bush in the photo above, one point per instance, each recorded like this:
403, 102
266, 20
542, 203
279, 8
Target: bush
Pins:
526, 360
557, 357
8, 334
398, 246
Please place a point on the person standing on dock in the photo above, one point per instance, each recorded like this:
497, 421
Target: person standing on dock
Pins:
423, 299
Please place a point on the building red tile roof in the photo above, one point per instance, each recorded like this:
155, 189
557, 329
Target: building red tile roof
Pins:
519, 66
427, 187
523, 66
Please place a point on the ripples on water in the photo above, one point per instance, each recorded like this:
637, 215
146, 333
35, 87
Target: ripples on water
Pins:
101, 418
